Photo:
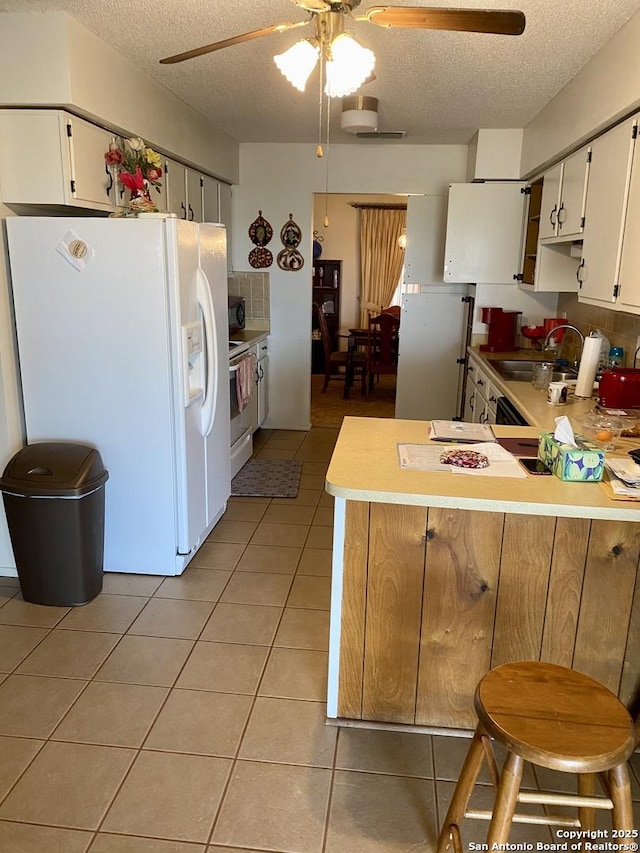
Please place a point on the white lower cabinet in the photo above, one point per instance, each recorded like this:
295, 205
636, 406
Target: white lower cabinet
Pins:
262, 378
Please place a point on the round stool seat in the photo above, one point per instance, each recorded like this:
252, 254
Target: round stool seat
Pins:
555, 717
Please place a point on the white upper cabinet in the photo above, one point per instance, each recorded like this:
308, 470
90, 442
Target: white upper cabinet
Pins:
176, 179
426, 228
224, 196
484, 233
210, 199
628, 279
611, 157
563, 197
73, 172
194, 196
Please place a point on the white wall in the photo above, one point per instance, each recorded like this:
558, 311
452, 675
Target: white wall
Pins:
282, 179
52, 60
604, 90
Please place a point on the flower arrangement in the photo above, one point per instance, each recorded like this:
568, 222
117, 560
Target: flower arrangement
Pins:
138, 169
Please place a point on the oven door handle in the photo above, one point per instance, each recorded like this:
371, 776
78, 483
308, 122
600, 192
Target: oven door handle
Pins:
233, 368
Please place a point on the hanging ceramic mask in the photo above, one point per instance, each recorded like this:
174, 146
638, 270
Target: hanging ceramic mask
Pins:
260, 233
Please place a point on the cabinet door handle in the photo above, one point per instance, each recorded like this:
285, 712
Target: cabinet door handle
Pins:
109, 186
184, 210
553, 216
480, 381
562, 215
191, 215
261, 372
579, 276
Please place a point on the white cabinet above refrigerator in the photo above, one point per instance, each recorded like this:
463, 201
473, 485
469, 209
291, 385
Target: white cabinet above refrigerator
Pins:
484, 233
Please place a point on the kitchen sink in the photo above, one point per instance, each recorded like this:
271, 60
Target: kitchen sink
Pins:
522, 371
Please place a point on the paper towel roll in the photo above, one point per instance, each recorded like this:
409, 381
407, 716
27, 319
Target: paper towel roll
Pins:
588, 366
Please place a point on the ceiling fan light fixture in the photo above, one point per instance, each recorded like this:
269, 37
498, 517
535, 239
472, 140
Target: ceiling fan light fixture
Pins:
348, 66
297, 63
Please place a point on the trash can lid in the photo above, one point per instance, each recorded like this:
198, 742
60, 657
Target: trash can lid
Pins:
54, 469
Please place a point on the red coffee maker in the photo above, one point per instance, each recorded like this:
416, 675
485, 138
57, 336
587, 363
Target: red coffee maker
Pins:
503, 329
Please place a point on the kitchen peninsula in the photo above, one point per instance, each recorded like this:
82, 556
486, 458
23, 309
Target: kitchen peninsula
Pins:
438, 577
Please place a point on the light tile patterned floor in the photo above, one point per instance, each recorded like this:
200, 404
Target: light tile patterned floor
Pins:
185, 715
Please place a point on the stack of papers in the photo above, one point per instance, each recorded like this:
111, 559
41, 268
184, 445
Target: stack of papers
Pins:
426, 457
460, 431
623, 477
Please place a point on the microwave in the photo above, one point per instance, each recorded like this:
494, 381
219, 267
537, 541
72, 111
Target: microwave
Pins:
236, 313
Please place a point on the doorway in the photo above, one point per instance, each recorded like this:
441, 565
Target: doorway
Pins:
340, 251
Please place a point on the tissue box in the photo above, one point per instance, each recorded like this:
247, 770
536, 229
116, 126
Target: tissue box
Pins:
573, 464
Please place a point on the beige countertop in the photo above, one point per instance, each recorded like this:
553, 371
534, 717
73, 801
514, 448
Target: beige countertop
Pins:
249, 336
530, 401
365, 467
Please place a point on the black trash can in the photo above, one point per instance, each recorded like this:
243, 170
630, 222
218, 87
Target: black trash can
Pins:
53, 495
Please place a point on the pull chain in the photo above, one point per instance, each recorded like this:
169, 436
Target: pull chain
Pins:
326, 166
319, 151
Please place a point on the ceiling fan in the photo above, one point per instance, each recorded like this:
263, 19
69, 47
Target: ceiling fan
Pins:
329, 18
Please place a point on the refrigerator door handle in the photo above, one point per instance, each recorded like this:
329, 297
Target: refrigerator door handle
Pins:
211, 348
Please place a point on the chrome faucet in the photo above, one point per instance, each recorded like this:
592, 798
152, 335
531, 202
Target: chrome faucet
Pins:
557, 329
566, 326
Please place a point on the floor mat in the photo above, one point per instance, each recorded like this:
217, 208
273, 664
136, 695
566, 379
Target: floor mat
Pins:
267, 478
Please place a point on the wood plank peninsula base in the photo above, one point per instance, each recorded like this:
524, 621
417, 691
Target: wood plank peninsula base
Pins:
439, 577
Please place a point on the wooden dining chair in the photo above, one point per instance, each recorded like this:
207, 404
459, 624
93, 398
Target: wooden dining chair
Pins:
382, 348
393, 310
341, 364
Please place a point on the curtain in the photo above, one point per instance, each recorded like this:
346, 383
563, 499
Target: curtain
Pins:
381, 259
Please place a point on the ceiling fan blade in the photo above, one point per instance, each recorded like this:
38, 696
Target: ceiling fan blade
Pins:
313, 5
218, 45
500, 22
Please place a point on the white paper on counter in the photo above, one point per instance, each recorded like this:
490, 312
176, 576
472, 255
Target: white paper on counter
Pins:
426, 457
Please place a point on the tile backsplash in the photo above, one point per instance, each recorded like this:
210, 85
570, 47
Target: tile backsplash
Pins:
254, 287
621, 329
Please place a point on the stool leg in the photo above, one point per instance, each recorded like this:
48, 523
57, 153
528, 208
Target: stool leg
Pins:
586, 788
621, 797
463, 791
506, 799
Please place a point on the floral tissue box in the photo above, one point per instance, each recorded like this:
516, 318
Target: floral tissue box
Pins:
583, 464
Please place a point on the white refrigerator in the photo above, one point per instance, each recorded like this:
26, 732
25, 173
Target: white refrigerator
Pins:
122, 338
435, 329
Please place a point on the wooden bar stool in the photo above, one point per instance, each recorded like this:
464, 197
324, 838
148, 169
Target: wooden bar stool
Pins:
553, 717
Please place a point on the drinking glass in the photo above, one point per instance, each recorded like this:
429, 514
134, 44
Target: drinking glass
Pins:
542, 375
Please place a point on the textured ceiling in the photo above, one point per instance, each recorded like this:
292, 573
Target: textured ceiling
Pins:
437, 86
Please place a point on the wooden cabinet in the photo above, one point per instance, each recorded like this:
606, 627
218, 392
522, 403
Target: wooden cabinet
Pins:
326, 284
605, 216
432, 598
484, 233
49, 157
563, 197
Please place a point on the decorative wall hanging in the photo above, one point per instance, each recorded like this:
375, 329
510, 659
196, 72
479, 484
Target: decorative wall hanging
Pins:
317, 245
260, 233
290, 259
